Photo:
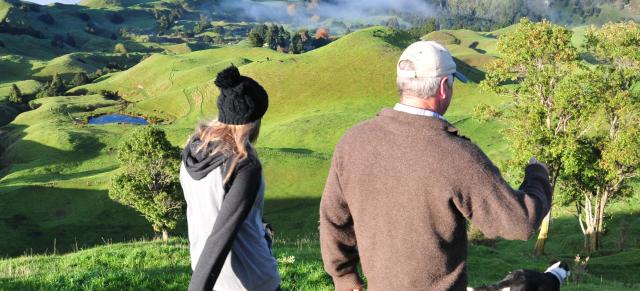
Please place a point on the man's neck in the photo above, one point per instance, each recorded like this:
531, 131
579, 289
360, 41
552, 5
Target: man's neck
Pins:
426, 104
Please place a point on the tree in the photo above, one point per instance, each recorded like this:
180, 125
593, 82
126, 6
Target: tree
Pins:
271, 36
148, 179
611, 155
543, 120
80, 79
422, 30
257, 35
296, 46
120, 49
56, 87
393, 23
15, 95
202, 25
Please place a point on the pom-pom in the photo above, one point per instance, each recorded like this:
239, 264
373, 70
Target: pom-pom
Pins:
228, 78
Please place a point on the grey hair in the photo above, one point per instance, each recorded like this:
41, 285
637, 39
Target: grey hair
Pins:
418, 87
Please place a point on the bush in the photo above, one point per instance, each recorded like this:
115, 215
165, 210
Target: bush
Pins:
111, 95
120, 49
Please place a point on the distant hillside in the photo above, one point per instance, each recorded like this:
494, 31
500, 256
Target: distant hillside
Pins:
50, 152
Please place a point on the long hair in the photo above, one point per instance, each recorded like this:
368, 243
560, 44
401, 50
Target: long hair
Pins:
232, 140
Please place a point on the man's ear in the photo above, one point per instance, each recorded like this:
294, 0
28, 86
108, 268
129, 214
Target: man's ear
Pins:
444, 87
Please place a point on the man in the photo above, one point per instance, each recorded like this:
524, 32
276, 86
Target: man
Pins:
403, 184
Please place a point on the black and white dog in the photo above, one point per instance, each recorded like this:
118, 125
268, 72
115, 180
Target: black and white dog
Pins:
527, 280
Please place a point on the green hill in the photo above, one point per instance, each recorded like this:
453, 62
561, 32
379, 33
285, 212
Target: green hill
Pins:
53, 157
313, 101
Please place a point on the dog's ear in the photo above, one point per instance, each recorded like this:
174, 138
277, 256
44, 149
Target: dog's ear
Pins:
564, 266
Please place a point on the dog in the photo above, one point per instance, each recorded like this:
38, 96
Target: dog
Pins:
527, 280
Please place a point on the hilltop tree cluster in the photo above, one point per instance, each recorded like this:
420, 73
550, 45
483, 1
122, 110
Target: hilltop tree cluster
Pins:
168, 15
202, 25
277, 38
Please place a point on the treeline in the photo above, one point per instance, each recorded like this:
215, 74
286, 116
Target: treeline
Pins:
495, 14
277, 38
490, 15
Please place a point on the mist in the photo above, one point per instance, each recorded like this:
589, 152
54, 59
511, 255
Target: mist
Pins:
315, 12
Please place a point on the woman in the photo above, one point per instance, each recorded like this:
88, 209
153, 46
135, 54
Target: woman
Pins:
221, 177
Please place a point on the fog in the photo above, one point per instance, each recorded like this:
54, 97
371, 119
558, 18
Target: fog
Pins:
303, 13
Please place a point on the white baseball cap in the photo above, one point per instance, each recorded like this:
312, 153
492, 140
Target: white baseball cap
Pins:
430, 60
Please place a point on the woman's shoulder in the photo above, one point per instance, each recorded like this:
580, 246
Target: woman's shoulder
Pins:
252, 160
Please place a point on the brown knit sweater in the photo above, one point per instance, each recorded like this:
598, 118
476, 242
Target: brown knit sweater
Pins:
397, 198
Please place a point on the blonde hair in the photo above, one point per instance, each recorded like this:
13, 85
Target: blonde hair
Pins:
233, 140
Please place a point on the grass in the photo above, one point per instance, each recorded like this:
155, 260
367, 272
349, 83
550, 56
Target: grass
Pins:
156, 265
54, 158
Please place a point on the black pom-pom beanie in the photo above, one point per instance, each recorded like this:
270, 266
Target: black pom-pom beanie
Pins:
242, 100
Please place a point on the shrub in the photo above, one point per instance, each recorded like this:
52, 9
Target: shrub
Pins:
111, 95
120, 49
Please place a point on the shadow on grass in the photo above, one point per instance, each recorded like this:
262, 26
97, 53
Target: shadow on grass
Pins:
469, 71
293, 218
66, 220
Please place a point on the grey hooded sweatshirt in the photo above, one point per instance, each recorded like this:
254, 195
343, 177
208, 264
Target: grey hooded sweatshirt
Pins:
228, 247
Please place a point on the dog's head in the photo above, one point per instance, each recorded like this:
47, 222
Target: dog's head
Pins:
559, 269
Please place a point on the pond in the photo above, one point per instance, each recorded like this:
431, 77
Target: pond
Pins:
117, 118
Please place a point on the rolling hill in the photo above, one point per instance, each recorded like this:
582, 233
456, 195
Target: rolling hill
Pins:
54, 158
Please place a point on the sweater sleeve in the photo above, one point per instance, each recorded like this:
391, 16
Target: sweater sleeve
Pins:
235, 208
337, 236
494, 207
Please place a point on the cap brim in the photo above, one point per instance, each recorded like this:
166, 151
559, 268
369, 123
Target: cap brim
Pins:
461, 77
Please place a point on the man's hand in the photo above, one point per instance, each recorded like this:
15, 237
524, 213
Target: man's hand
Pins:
534, 161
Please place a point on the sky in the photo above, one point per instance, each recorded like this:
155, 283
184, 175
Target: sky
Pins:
45, 2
